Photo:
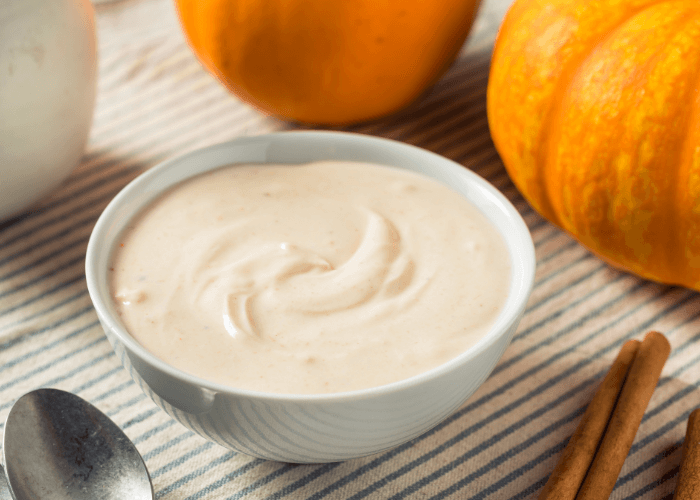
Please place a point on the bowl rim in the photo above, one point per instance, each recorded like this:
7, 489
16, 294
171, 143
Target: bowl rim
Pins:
522, 263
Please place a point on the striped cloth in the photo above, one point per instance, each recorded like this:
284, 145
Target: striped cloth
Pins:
154, 102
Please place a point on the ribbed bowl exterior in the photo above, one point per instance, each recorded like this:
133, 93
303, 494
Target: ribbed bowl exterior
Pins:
314, 430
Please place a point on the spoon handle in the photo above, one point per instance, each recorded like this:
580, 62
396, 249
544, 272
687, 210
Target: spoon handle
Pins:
5, 493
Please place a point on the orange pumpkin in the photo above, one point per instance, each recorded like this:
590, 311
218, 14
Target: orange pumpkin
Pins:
327, 61
594, 107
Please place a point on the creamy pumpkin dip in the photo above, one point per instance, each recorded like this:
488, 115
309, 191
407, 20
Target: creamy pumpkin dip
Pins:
305, 279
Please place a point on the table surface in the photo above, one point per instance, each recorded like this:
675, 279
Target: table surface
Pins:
154, 102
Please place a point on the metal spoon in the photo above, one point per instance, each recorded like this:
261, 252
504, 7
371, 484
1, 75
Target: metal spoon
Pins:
57, 446
4, 487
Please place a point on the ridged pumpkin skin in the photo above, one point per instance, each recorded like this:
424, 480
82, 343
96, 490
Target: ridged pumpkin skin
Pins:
594, 107
327, 61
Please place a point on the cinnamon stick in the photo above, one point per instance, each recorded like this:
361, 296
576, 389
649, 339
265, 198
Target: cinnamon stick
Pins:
627, 415
569, 473
688, 486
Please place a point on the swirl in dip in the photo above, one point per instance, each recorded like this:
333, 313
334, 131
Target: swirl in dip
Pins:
304, 279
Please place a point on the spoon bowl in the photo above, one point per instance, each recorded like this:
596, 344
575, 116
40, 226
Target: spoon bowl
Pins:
57, 446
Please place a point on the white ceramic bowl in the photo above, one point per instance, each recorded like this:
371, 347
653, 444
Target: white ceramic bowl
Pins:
311, 428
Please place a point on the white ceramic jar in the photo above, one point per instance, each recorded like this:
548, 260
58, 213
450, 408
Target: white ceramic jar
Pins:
48, 68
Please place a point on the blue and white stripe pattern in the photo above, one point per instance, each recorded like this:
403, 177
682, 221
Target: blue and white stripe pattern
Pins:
154, 102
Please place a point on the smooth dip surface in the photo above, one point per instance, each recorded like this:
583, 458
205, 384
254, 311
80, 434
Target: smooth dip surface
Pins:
316, 278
